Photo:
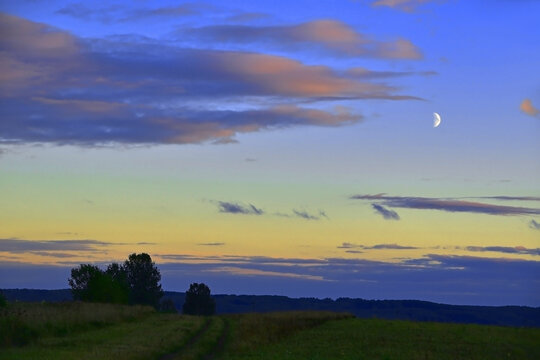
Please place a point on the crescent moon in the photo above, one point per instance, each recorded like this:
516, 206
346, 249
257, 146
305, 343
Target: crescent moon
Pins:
436, 119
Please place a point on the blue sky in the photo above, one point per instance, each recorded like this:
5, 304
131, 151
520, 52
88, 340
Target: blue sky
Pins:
275, 132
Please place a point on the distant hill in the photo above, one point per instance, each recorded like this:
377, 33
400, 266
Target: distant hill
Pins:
385, 309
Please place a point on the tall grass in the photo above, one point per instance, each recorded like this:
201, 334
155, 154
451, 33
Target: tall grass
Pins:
23, 323
396, 339
250, 331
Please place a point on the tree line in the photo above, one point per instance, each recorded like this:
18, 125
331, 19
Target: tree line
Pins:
136, 281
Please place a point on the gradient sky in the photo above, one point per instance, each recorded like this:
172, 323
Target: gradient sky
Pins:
275, 150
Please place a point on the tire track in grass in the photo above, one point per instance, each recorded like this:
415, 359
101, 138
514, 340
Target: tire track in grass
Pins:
219, 347
191, 342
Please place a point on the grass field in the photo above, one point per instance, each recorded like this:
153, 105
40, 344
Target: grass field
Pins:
103, 331
386, 339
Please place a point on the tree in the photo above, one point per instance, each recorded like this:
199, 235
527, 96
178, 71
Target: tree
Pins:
83, 280
89, 283
135, 282
198, 300
119, 276
143, 279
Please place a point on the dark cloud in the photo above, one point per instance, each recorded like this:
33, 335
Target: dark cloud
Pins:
505, 249
185, 9
116, 13
82, 12
305, 215
391, 246
132, 89
247, 16
330, 36
363, 73
511, 198
347, 245
212, 244
534, 225
446, 204
236, 208
387, 214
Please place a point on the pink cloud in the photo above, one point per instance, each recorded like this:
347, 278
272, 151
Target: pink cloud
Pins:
528, 108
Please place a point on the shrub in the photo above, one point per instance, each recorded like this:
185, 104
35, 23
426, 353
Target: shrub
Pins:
3, 301
14, 332
167, 306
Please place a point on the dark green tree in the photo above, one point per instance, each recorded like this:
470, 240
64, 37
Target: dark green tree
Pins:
119, 276
83, 280
198, 300
89, 283
143, 279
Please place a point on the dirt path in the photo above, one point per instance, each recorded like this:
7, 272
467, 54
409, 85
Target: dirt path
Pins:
220, 344
192, 341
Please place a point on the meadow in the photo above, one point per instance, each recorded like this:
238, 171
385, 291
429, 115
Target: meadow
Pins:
105, 331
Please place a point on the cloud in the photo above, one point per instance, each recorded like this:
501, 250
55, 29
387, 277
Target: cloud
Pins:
257, 272
305, 215
403, 5
247, 16
235, 208
331, 36
134, 90
387, 214
439, 278
249, 209
347, 245
212, 244
534, 225
82, 12
14, 245
445, 204
505, 249
363, 73
528, 108
511, 198
117, 13
391, 246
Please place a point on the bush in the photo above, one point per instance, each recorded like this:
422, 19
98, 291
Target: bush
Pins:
14, 332
3, 301
167, 306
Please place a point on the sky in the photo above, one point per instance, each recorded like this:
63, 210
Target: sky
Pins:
275, 149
